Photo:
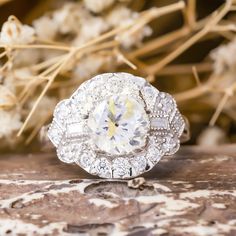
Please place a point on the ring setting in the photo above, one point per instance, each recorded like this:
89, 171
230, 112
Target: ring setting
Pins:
116, 125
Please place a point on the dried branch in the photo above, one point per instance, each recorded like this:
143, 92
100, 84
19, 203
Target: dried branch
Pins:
216, 17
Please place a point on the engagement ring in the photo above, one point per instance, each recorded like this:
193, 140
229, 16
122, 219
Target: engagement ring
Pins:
116, 125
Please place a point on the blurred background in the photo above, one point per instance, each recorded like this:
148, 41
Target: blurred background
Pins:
186, 48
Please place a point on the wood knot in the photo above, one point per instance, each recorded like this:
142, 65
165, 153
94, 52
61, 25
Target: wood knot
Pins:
136, 183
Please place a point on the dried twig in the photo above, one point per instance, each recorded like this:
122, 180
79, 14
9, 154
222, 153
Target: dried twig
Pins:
216, 17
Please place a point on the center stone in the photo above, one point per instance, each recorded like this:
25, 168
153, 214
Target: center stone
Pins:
119, 125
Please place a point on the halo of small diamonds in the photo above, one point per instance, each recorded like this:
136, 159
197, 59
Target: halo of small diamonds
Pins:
145, 121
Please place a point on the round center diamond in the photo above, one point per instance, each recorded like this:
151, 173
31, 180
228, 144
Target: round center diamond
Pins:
119, 125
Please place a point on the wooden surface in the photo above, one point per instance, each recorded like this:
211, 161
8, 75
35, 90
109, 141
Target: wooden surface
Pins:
192, 193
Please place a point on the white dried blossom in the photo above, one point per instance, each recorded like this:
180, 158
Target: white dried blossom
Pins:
10, 122
7, 98
134, 38
120, 15
68, 18
98, 6
91, 28
123, 16
91, 65
224, 58
8, 81
11, 79
14, 32
65, 20
45, 27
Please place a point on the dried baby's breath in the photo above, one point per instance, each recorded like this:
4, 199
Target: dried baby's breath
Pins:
10, 123
90, 64
7, 98
14, 32
120, 16
224, 58
45, 28
98, 6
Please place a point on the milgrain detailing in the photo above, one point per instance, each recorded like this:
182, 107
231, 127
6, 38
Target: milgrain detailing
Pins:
116, 125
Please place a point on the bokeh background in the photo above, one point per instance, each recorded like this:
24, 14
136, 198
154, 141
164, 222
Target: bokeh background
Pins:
188, 49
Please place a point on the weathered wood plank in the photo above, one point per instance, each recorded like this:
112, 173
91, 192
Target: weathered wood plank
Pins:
193, 193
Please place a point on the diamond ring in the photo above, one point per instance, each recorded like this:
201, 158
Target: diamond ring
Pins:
116, 125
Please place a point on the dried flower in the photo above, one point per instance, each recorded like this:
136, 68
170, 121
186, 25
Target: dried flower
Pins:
122, 16
224, 58
7, 98
91, 28
134, 38
68, 18
8, 81
10, 122
45, 28
13, 32
91, 65
98, 6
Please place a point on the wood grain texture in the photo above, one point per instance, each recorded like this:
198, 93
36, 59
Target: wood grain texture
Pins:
192, 193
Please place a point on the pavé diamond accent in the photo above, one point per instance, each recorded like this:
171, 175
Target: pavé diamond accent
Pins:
149, 94
86, 157
121, 168
178, 124
171, 144
55, 133
139, 163
165, 104
62, 111
116, 125
102, 168
68, 152
154, 153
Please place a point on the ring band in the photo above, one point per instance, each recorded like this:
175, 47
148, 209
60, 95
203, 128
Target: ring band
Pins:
117, 125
